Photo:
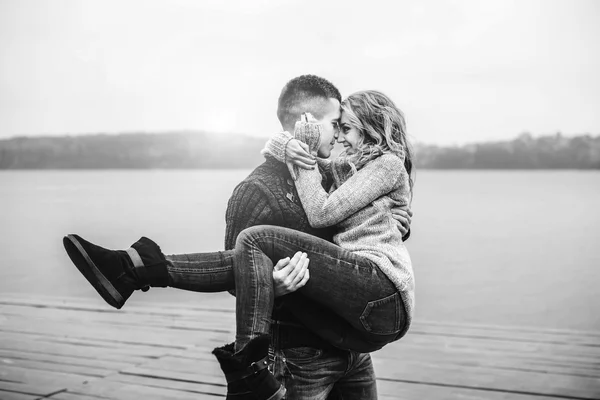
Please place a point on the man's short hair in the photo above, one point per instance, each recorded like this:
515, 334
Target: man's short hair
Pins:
306, 93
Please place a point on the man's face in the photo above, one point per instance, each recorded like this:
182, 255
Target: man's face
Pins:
330, 126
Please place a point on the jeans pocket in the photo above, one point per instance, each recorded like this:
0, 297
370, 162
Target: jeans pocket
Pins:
384, 316
302, 354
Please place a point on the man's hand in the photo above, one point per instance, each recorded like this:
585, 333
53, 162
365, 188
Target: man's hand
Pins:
403, 217
297, 153
290, 275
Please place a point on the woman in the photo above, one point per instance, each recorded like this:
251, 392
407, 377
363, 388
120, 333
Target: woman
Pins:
365, 277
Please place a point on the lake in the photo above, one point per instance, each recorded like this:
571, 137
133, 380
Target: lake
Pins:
493, 247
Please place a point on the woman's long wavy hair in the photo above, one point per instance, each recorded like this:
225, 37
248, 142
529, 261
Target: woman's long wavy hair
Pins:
382, 127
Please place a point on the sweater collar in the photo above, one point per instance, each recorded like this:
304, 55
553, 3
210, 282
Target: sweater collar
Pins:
276, 165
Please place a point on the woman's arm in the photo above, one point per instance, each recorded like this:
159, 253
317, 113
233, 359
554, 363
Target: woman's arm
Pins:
377, 178
292, 152
325, 168
277, 144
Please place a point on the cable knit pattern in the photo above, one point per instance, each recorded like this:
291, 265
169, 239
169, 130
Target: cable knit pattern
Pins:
275, 146
267, 197
359, 204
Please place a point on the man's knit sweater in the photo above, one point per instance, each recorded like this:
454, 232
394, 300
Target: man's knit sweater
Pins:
359, 204
268, 197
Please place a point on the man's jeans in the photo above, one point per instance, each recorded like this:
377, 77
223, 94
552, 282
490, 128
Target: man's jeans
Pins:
319, 374
308, 373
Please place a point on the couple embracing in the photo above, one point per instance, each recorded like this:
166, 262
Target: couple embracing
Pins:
304, 331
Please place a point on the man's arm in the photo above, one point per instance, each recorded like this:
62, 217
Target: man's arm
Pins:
249, 205
403, 217
252, 204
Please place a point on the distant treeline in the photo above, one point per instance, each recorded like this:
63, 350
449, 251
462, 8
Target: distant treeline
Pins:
188, 150
524, 152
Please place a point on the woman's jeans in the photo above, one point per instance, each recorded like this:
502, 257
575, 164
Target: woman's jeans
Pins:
350, 285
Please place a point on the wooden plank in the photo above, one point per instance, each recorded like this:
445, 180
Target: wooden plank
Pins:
16, 396
35, 382
78, 348
226, 305
490, 378
178, 364
198, 377
201, 352
25, 376
493, 347
578, 356
57, 367
504, 344
165, 351
225, 302
183, 311
72, 396
417, 391
522, 332
196, 387
66, 360
37, 389
125, 391
541, 362
160, 338
198, 320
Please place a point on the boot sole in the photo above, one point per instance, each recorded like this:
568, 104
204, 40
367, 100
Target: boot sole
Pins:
280, 394
90, 271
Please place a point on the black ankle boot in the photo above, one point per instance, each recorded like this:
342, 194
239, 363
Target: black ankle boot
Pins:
115, 274
246, 372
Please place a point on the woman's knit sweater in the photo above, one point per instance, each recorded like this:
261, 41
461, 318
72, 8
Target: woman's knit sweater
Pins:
359, 204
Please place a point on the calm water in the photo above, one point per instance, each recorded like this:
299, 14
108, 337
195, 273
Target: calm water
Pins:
509, 248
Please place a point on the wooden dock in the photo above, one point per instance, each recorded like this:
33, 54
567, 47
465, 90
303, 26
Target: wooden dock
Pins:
78, 349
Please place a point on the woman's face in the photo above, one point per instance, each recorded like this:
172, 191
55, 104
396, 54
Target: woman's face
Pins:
349, 135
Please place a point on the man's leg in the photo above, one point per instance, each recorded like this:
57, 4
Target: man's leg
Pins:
309, 373
358, 383
332, 374
244, 366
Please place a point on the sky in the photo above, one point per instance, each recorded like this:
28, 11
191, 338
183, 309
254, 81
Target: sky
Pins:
461, 70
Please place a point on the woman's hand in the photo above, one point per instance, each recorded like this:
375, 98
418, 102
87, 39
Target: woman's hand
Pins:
308, 117
297, 153
290, 275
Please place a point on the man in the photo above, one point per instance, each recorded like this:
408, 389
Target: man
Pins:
310, 366
307, 356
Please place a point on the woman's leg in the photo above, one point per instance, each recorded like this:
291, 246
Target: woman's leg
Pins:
202, 272
350, 285
116, 274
